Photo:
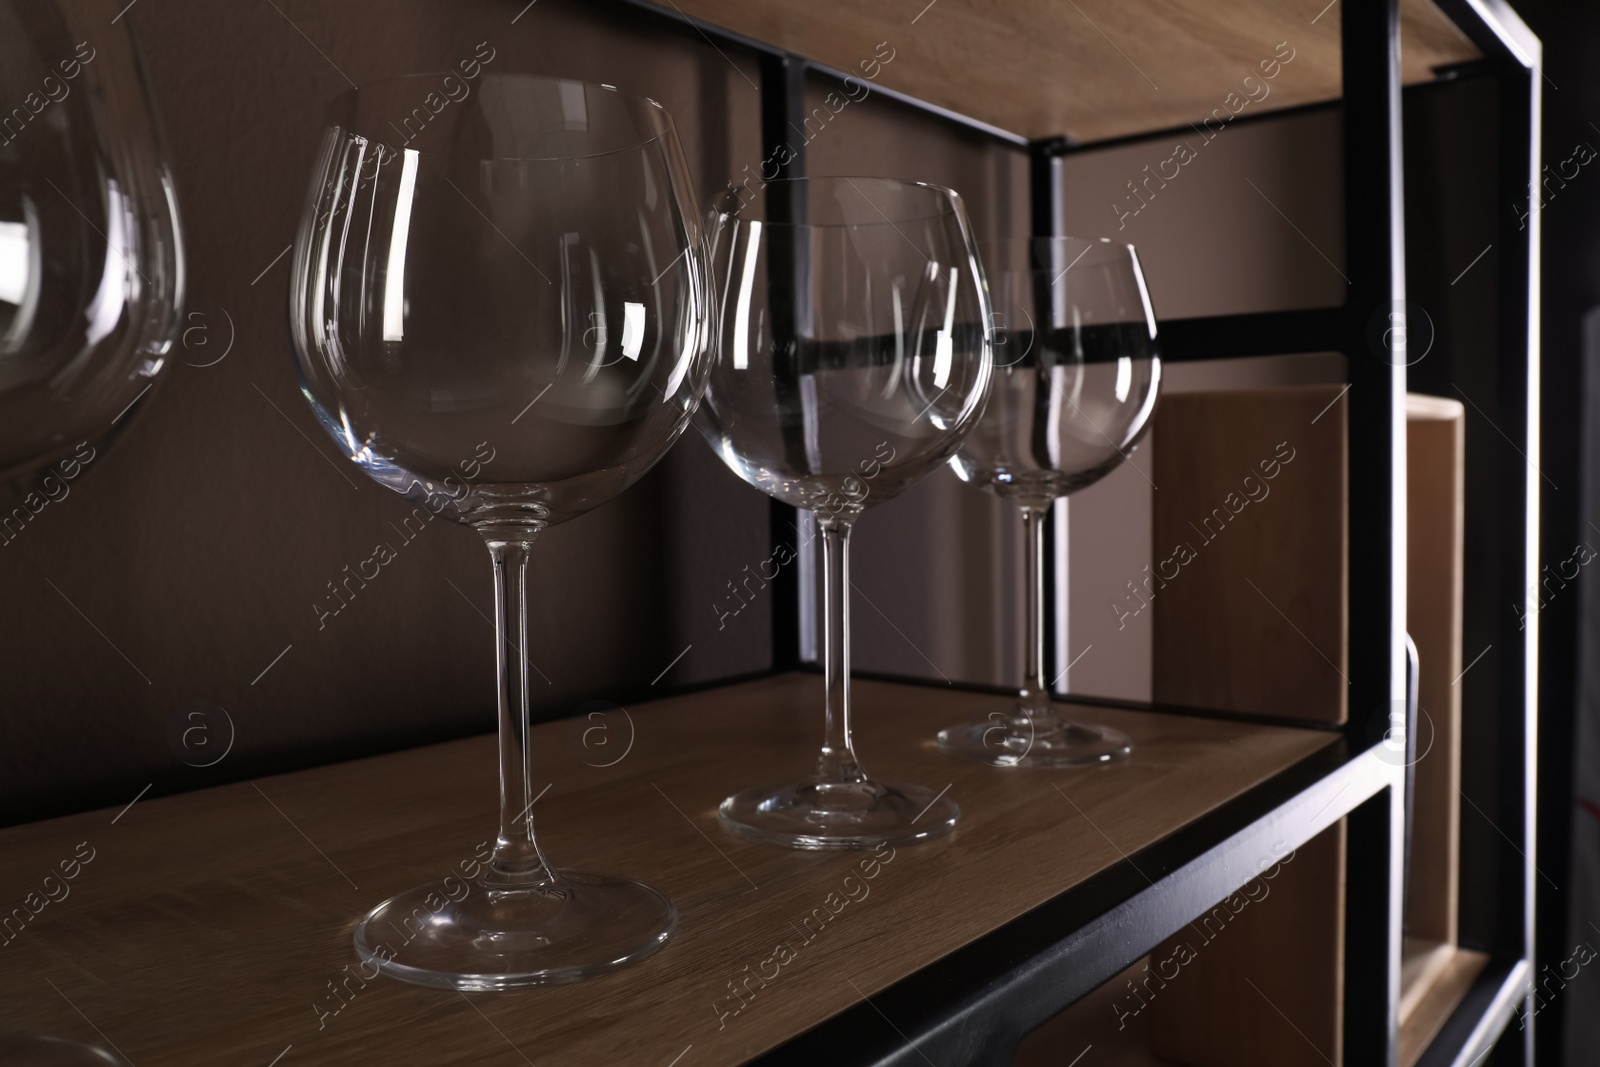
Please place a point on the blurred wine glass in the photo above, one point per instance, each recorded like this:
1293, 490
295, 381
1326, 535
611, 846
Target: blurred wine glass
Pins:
54, 1052
91, 262
851, 360
1077, 372
91, 266
499, 311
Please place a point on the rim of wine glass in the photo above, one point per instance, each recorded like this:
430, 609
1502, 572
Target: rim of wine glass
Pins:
1123, 251
955, 205
666, 116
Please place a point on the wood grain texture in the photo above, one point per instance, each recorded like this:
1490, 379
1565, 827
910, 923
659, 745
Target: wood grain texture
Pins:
1093, 1023
1206, 1012
1451, 981
208, 926
1265, 984
1091, 70
1249, 535
1435, 499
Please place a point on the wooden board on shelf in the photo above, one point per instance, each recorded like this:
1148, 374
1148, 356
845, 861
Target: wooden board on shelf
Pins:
1248, 587
1095, 1023
1259, 980
1435, 558
214, 927
1451, 972
1092, 70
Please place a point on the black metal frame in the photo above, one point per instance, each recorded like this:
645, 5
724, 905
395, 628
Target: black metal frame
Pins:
975, 1005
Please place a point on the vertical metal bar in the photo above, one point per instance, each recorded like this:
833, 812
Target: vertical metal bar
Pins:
1044, 220
1374, 852
1375, 347
1376, 532
1518, 671
782, 103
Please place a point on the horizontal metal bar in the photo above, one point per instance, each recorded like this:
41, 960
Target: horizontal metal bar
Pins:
715, 33
1450, 76
1496, 29
1143, 706
975, 1004
1066, 146
1264, 333
708, 29
1480, 1018
1005, 136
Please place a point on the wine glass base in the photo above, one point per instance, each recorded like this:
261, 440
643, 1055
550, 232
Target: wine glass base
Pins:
53, 1052
839, 815
1014, 742
493, 939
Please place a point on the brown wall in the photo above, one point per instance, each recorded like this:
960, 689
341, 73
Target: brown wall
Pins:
188, 556
938, 572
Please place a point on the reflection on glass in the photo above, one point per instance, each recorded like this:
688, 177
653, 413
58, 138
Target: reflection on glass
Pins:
503, 319
91, 266
1076, 377
851, 360
54, 1052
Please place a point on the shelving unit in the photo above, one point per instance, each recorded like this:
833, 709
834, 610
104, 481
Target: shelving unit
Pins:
1041, 75
225, 935
206, 929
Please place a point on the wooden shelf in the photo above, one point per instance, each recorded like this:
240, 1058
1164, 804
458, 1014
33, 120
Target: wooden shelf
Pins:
1434, 978
1090, 70
208, 925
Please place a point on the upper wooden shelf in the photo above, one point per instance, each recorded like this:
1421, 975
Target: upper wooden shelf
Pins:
1085, 69
207, 926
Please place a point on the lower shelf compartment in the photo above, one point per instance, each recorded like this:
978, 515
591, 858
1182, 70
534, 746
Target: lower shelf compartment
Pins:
1434, 977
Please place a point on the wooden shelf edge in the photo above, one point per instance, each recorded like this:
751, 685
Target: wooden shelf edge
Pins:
1438, 990
1480, 1019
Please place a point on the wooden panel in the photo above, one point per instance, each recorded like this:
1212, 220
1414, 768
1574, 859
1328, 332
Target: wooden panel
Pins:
1101, 1021
1088, 70
1248, 588
214, 927
1259, 980
1435, 496
1093, 1023
1453, 975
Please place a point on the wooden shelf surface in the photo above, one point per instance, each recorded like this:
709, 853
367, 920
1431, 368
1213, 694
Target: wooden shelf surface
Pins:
208, 926
1089, 70
1434, 978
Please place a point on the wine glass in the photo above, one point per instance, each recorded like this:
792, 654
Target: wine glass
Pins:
850, 360
1077, 372
91, 263
499, 307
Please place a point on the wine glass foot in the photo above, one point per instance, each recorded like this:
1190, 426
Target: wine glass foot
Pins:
839, 815
497, 939
1017, 741
35, 1051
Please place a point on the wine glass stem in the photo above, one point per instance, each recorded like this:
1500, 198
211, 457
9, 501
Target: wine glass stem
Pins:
517, 862
838, 760
1036, 691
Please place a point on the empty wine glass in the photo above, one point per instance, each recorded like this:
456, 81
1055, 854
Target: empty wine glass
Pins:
91, 264
1076, 377
851, 359
499, 307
